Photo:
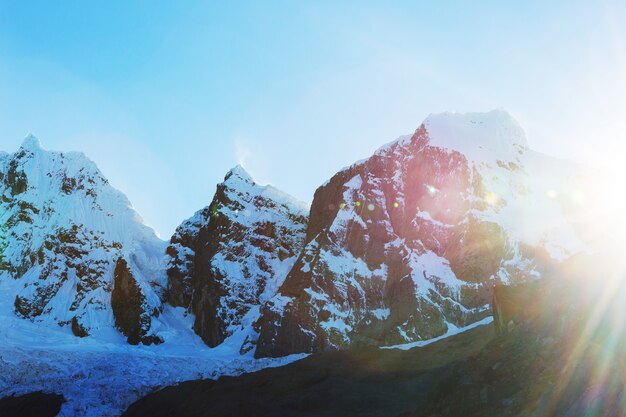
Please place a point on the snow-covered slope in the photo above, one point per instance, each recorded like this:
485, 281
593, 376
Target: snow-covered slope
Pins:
234, 254
63, 228
407, 244
76, 260
102, 378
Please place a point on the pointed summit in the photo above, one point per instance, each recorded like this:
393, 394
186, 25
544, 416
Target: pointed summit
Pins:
234, 254
31, 143
238, 172
481, 137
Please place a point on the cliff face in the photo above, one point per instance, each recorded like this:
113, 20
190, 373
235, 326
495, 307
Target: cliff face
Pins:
130, 307
232, 256
405, 244
62, 230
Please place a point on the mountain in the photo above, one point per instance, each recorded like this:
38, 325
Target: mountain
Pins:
400, 247
407, 244
74, 253
397, 250
233, 255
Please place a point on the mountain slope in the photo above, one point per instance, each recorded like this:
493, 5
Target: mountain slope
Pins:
408, 243
369, 382
234, 254
561, 355
63, 230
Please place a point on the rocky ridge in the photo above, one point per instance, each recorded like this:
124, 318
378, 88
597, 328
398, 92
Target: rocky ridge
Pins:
233, 255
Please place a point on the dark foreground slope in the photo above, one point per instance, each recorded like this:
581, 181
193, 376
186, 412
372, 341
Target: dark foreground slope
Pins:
559, 351
369, 382
34, 404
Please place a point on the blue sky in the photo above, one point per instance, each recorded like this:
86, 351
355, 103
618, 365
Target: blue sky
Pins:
167, 96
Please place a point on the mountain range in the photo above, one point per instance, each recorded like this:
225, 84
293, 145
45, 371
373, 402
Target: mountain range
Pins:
397, 249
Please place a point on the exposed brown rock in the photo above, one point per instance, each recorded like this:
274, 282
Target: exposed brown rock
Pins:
129, 308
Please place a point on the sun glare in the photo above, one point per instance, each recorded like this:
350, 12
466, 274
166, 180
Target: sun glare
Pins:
603, 203
491, 199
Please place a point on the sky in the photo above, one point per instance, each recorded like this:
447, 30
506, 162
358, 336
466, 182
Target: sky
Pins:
166, 97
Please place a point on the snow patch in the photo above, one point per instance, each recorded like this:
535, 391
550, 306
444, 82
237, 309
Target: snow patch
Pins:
452, 330
480, 137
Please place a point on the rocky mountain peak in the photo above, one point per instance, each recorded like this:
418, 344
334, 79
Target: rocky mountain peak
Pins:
31, 143
409, 242
238, 173
232, 255
63, 227
480, 137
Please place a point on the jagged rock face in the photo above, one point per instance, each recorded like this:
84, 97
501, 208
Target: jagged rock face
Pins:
234, 254
130, 309
62, 229
181, 255
409, 242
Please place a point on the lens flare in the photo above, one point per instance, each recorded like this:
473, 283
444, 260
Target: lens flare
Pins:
491, 198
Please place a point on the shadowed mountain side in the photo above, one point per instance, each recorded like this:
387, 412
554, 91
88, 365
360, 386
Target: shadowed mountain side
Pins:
34, 404
559, 351
370, 382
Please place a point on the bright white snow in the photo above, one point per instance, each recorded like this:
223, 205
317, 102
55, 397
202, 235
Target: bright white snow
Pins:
100, 378
480, 137
452, 330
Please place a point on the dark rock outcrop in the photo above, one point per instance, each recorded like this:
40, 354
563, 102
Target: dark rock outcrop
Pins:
132, 316
34, 404
512, 304
78, 329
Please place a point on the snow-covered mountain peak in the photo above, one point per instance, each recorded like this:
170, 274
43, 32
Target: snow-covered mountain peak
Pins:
238, 173
63, 228
31, 143
240, 182
407, 243
234, 254
70, 189
480, 137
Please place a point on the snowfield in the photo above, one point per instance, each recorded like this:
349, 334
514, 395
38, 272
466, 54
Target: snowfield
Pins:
99, 378
103, 377
452, 331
